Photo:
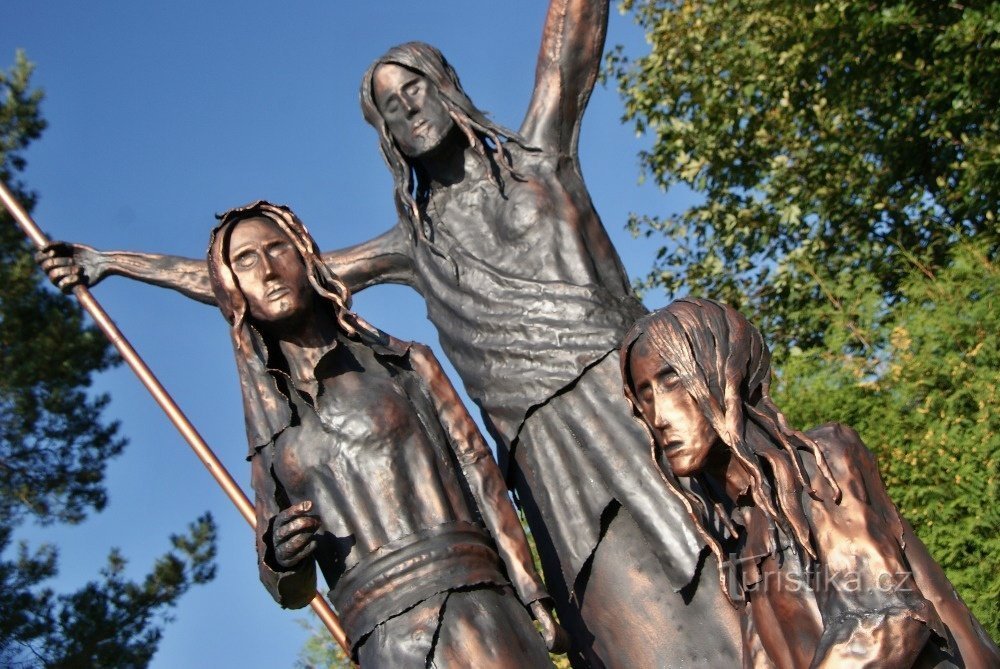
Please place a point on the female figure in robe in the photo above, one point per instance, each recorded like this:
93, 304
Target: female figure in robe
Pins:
811, 549
366, 464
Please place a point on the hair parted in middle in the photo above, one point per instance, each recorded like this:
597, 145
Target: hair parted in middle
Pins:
723, 363
225, 284
485, 136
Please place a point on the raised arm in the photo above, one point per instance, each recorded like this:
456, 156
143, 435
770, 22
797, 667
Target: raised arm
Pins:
568, 63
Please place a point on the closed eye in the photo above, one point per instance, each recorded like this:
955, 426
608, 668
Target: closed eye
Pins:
278, 248
246, 260
669, 379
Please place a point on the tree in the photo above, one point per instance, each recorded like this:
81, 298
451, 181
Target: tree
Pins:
320, 651
831, 142
54, 445
846, 154
930, 414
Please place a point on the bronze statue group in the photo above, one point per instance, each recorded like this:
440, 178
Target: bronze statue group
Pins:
680, 521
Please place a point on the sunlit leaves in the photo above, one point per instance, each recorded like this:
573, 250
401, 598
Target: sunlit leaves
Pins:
847, 155
872, 127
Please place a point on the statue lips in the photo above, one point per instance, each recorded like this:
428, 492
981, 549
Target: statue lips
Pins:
673, 448
276, 292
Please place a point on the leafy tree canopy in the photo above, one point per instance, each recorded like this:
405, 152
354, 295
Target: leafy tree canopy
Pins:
54, 446
832, 142
847, 155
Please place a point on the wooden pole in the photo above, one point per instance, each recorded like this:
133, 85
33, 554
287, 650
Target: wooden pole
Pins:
166, 402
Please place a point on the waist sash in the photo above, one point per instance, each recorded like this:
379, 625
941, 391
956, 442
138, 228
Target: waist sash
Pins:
404, 572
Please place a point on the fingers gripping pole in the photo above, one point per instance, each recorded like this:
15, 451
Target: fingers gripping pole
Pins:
166, 402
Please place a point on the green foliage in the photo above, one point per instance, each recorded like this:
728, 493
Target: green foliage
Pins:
320, 651
847, 159
830, 140
54, 447
930, 415
112, 622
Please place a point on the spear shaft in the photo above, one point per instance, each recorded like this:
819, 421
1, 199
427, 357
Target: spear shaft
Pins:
166, 402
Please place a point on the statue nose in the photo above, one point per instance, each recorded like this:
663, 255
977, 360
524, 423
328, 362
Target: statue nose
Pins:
267, 266
660, 420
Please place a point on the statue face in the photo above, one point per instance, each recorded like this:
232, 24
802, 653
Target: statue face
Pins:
678, 424
270, 272
412, 108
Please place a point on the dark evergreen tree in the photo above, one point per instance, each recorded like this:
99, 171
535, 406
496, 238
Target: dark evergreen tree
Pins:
54, 446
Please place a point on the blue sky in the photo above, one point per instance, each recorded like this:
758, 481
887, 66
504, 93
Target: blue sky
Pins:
163, 113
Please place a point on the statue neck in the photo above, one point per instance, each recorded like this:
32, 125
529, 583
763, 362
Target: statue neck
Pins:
304, 343
727, 469
455, 161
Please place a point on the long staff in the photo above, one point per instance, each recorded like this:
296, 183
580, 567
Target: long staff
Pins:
159, 393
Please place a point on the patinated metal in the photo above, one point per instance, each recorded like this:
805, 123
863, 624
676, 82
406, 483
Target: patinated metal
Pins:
498, 233
174, 413
812, 551
366, 464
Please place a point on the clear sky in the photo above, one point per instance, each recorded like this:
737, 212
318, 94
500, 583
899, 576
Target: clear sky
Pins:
164, 113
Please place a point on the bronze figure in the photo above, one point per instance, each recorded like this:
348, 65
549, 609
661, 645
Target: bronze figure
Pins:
498, 233
160, 395
366, 464
811, 549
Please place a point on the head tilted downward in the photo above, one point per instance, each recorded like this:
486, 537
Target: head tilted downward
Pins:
429, 66
721, 362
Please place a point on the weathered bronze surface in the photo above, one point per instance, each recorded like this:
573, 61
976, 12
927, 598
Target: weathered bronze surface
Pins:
161, 396
366, 464
810, 547
498, 234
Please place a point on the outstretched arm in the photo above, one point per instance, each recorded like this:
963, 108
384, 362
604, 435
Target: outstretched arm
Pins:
70, 264
380, 260
568, 63
384, 259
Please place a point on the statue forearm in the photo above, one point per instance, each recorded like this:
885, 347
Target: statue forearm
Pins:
292, 588
384, 259
187, 276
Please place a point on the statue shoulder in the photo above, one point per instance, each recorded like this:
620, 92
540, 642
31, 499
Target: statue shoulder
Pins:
843, 449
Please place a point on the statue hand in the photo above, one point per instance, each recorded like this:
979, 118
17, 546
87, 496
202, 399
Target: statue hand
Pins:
293, 534
69, 265
556, 639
